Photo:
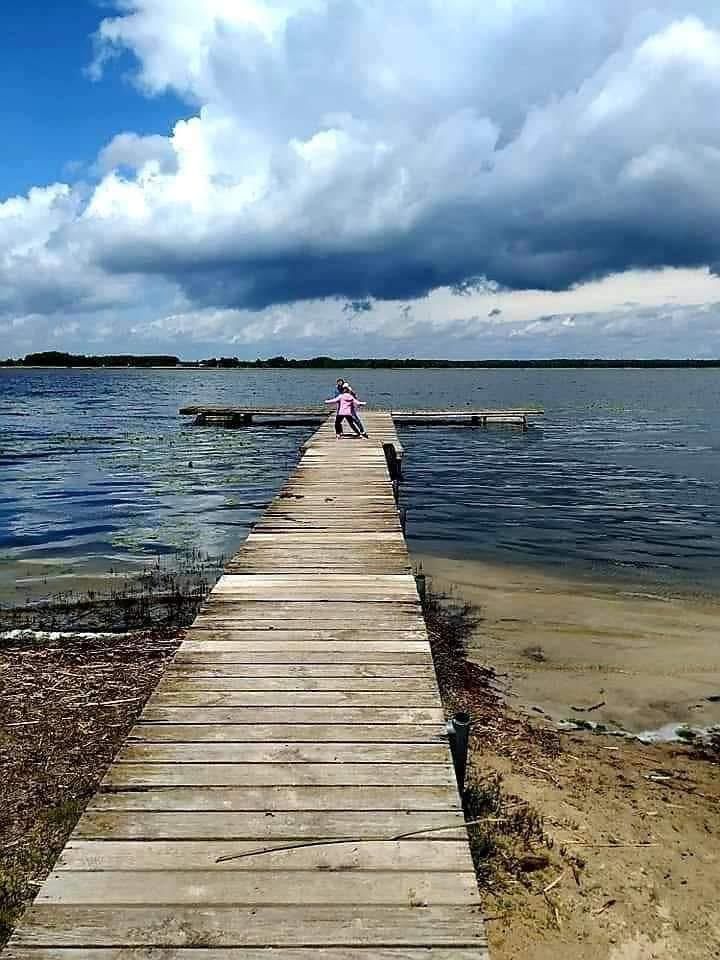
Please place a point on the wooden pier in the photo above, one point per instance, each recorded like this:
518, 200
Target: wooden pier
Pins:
301, 416
288, 791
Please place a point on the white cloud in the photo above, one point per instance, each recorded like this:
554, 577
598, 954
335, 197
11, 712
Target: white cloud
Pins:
353, 149
135, 152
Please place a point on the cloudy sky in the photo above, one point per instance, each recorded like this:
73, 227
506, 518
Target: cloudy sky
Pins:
459, 178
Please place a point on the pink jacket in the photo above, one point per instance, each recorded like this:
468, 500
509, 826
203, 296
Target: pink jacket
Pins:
346, 404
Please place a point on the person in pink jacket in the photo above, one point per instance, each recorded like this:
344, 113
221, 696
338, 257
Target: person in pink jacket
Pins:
346, 407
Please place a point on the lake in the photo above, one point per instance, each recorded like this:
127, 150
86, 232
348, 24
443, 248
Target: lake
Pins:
621, 478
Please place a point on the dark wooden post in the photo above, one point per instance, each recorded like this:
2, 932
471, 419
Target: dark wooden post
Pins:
392, 460
459, 736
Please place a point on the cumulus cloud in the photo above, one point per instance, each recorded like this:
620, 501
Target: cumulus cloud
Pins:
353, 152
135, 152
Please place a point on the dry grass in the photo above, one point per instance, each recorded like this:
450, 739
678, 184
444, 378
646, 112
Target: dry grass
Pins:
66, 705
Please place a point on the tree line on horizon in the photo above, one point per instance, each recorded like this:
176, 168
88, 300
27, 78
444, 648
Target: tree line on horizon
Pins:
56, 358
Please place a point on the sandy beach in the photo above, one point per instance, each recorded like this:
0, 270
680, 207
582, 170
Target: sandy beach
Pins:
651, 658
630, 849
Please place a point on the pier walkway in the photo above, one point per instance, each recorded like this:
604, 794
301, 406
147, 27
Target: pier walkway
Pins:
288, 791
294, 416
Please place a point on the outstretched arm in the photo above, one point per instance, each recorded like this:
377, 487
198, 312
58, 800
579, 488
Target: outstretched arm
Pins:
334, 400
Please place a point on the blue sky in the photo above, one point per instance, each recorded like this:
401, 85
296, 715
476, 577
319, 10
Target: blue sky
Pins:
56, 119
513, 178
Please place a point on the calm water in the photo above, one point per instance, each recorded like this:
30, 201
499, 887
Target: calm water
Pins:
97, 471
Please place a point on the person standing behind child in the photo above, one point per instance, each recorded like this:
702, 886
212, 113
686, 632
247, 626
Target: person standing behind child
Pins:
346, 406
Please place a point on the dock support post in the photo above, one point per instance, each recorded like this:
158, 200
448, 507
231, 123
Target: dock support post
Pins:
247, 419
403, 519
459, 736
421, 585
525, 424
392, 460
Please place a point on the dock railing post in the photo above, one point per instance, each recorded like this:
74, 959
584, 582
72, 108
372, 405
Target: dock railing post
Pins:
391, 458
458, 729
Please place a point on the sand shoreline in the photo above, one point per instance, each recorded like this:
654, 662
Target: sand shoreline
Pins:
650, 656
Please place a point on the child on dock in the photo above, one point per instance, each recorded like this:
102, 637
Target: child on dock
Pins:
356, 412
347, 404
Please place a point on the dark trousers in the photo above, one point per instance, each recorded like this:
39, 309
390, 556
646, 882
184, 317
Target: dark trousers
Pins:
338, 423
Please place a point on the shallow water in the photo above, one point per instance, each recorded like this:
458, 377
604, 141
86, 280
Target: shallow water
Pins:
98, 471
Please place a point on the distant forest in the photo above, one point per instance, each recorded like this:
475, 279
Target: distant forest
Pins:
54, 358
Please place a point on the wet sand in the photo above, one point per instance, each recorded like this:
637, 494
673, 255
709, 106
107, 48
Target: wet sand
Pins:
651, 658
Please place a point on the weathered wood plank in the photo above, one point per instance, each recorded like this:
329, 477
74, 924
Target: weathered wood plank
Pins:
229, 926
171, 774
176, 682
298, 698
402, 855
206, 887
336, 638
279, 798
257, 825
238, 653
244, 953
283, 752
301, 537
260, 637
293, 671
285, 733
383, 716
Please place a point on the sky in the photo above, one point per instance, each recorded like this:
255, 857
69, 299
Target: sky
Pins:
441, 178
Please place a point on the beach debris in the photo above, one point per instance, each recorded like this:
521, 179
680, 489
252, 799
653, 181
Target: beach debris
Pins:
532, 862
67, 701
606, 906
595, 706
555, 882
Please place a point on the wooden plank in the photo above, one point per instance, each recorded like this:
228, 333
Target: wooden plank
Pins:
244, 953
320, 671
175, 682
309, 633
402, 855
171, 774
380, 536
338, 637
206, 887
257, 825
285, 733
279, 798
280, 595
382, 716
283, 752
252, 586
304, 654
279, 698
228, 926
362, 652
